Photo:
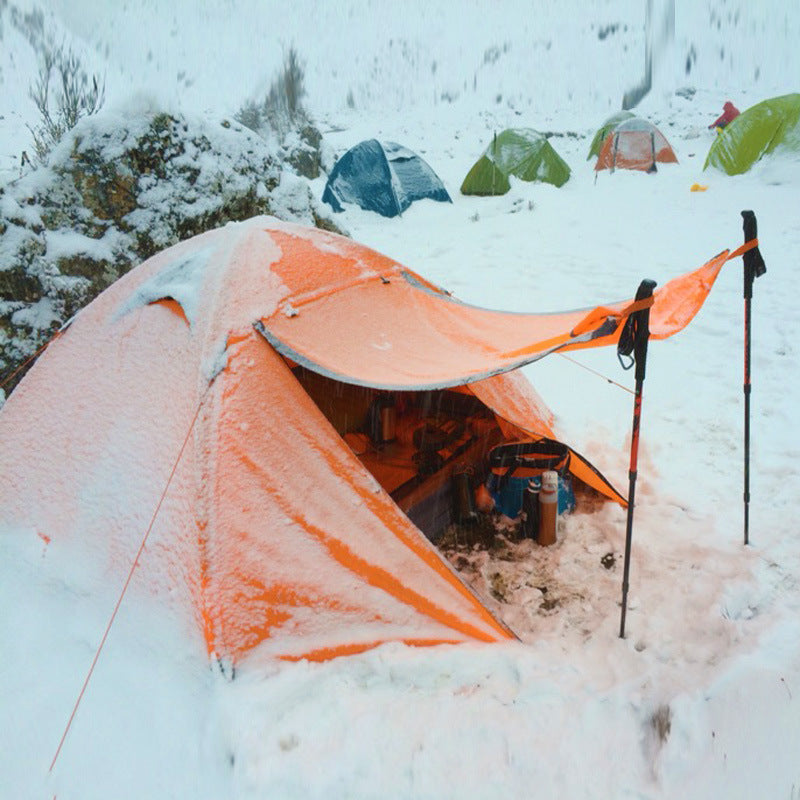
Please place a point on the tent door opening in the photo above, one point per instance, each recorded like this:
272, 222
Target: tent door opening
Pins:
418, 445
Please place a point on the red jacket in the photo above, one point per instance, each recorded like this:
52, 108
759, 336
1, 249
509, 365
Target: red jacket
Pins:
729, 112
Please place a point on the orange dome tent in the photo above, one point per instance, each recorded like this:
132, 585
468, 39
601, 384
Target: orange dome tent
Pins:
635, 144
211, 405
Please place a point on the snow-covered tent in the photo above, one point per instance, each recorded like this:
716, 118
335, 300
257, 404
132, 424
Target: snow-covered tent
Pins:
635, 144
382, 176
206, 428
602, 132
769, 126
522, 152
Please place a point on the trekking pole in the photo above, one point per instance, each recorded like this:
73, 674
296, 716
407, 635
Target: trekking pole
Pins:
754, 267
633, 339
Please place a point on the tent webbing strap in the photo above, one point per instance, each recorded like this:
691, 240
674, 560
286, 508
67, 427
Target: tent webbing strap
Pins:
742, 249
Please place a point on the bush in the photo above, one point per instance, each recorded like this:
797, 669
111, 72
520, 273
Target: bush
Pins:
61, 71
281, 109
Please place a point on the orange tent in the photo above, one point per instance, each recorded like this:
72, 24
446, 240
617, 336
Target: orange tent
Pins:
195, 420
635, 144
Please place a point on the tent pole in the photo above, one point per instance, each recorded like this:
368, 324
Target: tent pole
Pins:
753, 268
634, 340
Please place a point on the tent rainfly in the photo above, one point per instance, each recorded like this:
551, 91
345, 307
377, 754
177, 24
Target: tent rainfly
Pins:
635, 144
769, 126
522, 152
218, 405
382, 176
605, 129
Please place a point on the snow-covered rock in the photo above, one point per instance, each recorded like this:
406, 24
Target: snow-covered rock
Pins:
119, 188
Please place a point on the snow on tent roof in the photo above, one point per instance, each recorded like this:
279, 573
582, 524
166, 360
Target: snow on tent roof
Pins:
266, 532
635, 144
606, 128
768, 126
384, 177
522, 152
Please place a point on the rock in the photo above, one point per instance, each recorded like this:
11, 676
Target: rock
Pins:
303, 153
120, 188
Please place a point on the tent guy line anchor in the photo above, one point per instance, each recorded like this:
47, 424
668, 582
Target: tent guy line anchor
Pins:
130, 576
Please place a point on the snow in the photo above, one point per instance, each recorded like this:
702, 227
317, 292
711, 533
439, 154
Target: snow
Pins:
67, 243
702, 698
180, 281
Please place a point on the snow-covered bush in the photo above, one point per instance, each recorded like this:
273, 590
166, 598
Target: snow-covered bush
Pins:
281, 108
281, 117
63, 94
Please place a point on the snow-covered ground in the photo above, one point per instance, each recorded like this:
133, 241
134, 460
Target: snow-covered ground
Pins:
702, 698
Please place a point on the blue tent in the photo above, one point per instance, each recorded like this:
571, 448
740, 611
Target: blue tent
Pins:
384, 177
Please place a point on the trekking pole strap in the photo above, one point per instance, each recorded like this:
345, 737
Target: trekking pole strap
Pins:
754, 266
633, 338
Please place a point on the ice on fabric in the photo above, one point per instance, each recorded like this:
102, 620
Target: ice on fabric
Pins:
182, 281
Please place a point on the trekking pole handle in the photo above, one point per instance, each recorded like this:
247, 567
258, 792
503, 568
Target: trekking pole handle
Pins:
644, 291
754, 265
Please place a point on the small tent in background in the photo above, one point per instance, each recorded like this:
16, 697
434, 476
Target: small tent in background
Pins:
217, 404
766, 127
382, 176
635, 144
522, 152
605, 129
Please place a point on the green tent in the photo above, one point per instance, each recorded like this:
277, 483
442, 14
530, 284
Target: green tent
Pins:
605, 129
522, 152
765, 127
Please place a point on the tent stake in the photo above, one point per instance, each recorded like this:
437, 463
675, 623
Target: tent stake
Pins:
754, 267
634, 340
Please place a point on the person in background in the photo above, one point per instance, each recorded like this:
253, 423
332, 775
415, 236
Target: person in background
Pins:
729, 113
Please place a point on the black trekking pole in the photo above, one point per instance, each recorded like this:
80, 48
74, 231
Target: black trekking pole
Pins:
633, 340
754, 267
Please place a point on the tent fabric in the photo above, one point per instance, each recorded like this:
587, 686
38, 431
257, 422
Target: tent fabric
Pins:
438, 341
161, 408
605, 129
635, 144
768, 126
523, 414
272, 537
383, 177
522, 152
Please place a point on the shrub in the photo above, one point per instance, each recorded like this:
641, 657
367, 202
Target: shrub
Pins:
62, 73
281, 109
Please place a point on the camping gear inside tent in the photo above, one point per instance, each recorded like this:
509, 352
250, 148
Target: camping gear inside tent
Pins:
522, 152
605, 129
277, 413
382, 176
635, 144
769, 126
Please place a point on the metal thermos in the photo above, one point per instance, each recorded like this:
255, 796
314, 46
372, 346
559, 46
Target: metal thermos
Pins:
530, 511
382, 420
388, 423
463, 499
548, 508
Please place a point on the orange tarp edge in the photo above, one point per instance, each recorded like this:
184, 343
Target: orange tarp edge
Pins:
410, 336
